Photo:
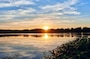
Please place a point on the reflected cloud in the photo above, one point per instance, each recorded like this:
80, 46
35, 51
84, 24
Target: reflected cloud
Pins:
31, 45
21, 51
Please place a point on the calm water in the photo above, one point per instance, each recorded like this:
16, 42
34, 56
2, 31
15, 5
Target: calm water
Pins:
32, 46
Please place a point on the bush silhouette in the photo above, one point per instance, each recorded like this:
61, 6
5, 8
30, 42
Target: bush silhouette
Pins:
76, 49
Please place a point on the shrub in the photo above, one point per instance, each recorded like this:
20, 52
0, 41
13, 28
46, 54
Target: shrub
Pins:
76, 49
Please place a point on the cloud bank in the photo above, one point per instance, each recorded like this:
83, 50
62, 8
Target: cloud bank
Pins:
31, 12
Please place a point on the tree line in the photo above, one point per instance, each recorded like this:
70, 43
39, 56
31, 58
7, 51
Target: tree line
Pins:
59, 30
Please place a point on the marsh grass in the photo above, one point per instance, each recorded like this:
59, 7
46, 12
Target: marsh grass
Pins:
76, 49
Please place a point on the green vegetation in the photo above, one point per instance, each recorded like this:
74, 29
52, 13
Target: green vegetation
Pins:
76, 49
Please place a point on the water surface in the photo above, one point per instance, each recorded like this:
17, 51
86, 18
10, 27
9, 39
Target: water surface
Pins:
32, 46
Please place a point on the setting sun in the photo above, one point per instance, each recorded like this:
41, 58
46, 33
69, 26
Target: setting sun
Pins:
45, 27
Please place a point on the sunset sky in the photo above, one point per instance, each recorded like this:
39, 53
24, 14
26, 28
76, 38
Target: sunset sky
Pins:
29, 14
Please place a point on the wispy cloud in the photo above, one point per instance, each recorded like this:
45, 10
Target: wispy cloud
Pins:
9, 3
62, 8
36, 12
21, 11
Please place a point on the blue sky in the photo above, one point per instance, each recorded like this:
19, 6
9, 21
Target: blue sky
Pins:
28, 14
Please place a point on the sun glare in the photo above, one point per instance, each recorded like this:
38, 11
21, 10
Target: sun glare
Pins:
46, 36
46, 28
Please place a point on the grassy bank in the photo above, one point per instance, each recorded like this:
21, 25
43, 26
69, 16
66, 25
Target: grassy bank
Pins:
76, 49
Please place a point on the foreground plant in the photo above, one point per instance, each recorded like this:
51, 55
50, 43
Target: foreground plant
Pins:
76, 49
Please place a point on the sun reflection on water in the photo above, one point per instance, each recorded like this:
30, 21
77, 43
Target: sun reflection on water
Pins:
45, 36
